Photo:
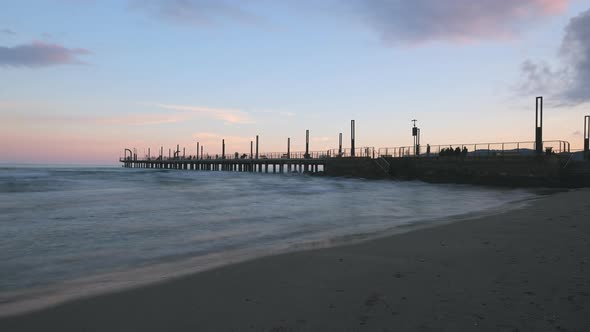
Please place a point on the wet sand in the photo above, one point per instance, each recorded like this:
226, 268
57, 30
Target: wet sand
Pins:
523, 270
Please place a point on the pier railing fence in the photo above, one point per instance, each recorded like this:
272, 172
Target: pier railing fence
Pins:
496, 149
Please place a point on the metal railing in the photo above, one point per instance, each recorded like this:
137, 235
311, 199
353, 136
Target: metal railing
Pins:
504, 149
364, 152
475, 149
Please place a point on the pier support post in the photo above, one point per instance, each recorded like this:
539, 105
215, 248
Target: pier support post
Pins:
288, 148
197, 156
352, 137
587, 136
539, 125
306, 156
256, 146
340, 145
251, 149
223, 149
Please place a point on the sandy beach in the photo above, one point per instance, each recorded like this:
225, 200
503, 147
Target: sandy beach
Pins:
522, 270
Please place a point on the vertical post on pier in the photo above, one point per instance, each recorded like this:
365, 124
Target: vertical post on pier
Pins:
223, 149
539, 125
149, 154
197, 156
251, 149
169, 153
340, 145
161, 152
289, 148
183, 153
352, 137
418, 145
586, 136
177, 152
416, 135
256, 146
306, 144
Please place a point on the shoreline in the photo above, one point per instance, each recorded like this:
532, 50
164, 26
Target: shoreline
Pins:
121, 280
397, 282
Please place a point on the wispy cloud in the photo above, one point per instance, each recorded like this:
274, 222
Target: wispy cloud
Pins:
280, 113
76, 119
569, 81
422, 21
212, 137
7, 32
142, 119
198, 12
40, 54
228, 115
169, 113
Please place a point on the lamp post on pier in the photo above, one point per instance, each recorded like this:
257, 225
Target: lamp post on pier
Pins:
416, 135
352, 137
587, 136
539, 125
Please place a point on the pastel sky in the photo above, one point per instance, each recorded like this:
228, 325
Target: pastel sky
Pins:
81, 80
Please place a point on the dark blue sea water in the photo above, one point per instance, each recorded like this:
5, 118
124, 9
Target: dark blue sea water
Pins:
67, 231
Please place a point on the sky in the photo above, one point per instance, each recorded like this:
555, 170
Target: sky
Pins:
81, 80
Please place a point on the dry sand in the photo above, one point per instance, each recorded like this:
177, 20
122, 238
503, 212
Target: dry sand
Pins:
523, 270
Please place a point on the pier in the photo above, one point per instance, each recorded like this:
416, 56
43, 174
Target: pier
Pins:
528, 163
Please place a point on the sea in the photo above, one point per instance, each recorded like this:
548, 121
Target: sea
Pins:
72, 231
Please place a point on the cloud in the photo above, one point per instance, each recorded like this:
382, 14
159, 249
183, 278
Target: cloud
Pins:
422, 21
137, 119
280, 113
569, 81
142, 119
575, 51
225, 114
21, 111
40, 54
197, 12
7, 32
212, 137
539, 78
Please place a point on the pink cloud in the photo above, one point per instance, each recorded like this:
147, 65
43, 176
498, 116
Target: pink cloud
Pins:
551, 7
228, 115
40, 54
